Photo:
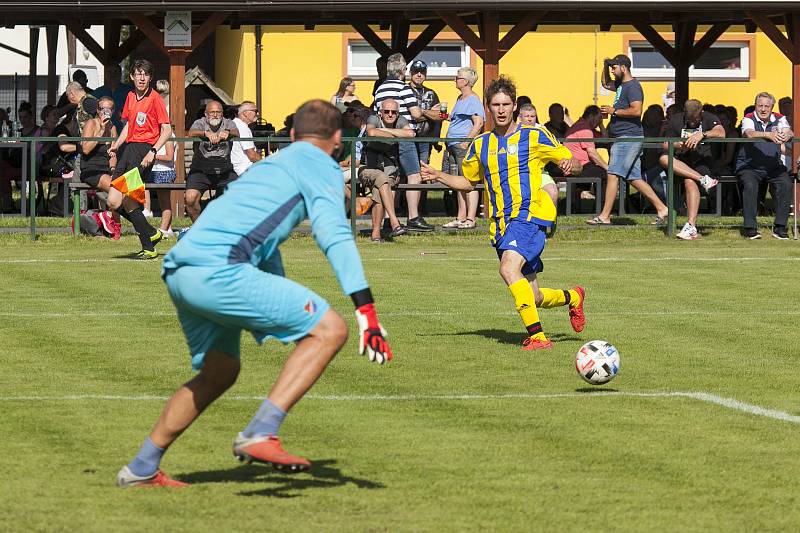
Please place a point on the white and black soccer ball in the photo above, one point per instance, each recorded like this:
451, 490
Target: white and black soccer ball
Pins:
597, 362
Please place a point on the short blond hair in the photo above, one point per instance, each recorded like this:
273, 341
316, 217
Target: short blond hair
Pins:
162, 87
469, 74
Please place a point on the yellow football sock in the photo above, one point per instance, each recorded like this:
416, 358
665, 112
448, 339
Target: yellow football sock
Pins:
557, 297
525, 303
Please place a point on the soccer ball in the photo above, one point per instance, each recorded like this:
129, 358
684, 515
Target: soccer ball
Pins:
597, 362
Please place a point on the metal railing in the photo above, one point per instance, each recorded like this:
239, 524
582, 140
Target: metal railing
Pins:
34, 141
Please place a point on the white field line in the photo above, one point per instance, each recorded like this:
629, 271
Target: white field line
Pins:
453, 258
728, 403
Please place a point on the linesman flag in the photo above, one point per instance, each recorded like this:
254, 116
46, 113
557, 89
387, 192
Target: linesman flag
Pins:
131, 184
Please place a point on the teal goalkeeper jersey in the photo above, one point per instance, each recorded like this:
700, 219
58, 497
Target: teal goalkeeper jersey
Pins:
260, 209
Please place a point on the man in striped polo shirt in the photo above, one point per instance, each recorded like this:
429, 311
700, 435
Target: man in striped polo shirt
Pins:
395, 88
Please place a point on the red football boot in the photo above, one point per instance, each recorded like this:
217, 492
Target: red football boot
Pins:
576, 316
268, 450
535, 344
126, 478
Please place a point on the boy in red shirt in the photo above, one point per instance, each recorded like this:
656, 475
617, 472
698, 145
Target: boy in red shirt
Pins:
146, 130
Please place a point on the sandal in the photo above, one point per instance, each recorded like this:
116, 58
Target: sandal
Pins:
597, 221
660, 221
467, 224
453, 224
377, 240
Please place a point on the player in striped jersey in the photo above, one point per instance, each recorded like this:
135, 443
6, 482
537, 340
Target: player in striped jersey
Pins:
509, 161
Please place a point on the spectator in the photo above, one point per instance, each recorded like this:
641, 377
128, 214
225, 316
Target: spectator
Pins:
381, 165
244, 153
394, 88
345, 95
521, 101
763, 162
668, 97
653, 124
96, 160
429, 125
558, 123
211, 164
58, 157
146, 130
589, 126
466, 120
162, 88
380, 66
164, 172
65, 105
76, 95
355, 121
527, 114
114, 89
625, 158
694, 159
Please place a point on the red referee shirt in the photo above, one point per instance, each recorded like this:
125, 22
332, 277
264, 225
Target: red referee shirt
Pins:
145, 116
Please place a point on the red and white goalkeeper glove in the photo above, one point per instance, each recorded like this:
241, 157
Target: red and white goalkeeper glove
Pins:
371, 335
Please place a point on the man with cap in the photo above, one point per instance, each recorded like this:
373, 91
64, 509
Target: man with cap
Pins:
625, 158
430, 123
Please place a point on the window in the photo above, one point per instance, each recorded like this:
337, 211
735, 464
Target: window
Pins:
444, 58
724, 60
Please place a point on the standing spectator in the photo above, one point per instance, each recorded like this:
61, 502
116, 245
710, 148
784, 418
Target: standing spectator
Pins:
394, 88
76, 95
345, 95
114, 89
243, 152
693, 160
521, 101
164, 172
380, 66
466, 120
381, 161
65, 105
211, 164
763, 162
146, 130
558, 123
427, 99
624, 161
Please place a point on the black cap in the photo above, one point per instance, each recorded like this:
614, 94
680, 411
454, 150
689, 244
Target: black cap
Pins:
89, 106
621, 59
418, 66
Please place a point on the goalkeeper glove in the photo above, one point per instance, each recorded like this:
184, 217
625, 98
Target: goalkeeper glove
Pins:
371, 335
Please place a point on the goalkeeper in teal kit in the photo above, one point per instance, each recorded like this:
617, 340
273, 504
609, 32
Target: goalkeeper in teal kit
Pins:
225, 275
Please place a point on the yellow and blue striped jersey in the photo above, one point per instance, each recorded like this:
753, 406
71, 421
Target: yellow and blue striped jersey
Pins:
511, 170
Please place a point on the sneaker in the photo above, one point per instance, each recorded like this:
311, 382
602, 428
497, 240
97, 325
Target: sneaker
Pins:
126, 478
147, 213
536, 344
688, 233
157, 236
267, 450
418, 224
779, 232
399, 230
146, 255
577, 318
751, 234
708, 182
168, 234
110, 225
181, 233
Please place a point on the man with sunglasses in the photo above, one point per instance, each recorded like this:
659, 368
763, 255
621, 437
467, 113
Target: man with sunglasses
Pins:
244, 152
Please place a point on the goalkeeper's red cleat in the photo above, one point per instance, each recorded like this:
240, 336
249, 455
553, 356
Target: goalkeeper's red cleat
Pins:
126, 478
536, 344
576, 316
268, 450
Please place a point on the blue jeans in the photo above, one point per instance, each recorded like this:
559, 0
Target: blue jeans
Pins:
409, 158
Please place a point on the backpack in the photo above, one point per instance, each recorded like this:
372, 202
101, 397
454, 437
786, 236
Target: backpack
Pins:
92, 224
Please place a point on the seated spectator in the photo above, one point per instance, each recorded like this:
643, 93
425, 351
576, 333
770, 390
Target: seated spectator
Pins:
527, 114
345, 95
381, 165
763, 162
693, 159
211, 164
589, 126
527, 117
244, 153
354, 122
559, 121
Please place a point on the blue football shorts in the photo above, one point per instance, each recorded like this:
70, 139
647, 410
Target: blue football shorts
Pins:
527, 239
216, 303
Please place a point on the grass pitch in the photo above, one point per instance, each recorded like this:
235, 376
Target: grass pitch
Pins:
463, 431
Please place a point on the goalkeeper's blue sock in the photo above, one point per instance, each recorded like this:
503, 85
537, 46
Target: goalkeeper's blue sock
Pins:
147, 460
267, 421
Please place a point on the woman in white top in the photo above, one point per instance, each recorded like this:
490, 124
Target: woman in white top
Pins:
164, 172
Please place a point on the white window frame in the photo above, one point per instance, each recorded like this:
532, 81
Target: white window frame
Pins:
434, 73
696, 73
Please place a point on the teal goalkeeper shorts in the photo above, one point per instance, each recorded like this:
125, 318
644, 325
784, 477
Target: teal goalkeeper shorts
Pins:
216, 303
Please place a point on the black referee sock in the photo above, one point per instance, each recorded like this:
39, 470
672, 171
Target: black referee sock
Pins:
142, 227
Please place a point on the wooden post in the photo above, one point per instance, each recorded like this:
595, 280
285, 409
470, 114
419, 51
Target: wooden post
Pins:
177, 109
33, 79
52, 51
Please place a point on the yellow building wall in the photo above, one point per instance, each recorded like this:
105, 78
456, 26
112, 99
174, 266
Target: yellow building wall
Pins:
554, 64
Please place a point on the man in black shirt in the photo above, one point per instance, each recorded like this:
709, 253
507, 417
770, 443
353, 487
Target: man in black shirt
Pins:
693, 158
